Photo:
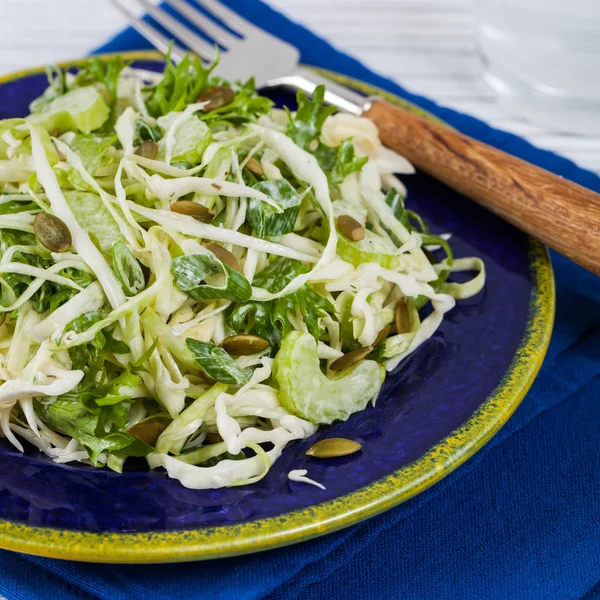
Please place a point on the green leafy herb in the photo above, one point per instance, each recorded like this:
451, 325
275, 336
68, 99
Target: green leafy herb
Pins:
263, 217
50, 295
216, 363
113, 345
127, 269
192, 270
104, 71
338, 163
91, 353
179, 86
97, 409
14, 237
246, 106
305, 128
306, 125
270, 319
70, 416
90, 356
110, 393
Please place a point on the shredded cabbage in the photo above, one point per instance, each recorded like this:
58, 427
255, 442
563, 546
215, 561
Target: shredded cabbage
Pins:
204, 307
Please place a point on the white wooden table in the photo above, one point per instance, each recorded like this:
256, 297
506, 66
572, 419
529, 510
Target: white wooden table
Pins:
426, 45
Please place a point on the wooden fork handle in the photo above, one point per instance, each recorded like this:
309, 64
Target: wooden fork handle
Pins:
560, 213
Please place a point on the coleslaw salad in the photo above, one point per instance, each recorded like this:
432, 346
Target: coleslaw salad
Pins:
117, 347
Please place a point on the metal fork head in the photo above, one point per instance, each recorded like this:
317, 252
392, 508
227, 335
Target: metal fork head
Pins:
245, 48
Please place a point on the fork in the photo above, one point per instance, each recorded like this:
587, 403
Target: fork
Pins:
560, 213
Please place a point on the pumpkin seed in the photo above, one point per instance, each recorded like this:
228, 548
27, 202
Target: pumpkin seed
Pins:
52, 233
351, 358
333, 447
350, 228
193, 209
216, 96
382, 336
148, 149
223, 255
254, 166
244, 344
401, 317
148, 431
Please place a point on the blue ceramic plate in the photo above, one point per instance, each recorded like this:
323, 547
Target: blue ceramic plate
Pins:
437, 410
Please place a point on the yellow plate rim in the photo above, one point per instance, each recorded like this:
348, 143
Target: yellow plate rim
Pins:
274, 532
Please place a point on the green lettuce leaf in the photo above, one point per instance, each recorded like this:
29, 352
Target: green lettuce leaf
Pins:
93, 150
97, 409
85, 355
80, 109
93, 216
192, 137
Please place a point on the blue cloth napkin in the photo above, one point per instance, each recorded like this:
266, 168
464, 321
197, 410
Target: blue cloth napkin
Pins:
520, 520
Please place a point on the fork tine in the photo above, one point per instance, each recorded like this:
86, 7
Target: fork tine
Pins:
229, 17
216, 32
185, 35
157, 39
